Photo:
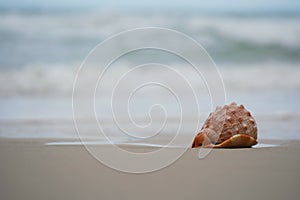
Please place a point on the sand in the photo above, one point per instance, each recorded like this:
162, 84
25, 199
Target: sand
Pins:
31, 170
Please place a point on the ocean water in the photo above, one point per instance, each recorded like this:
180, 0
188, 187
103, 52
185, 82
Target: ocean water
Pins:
258, 58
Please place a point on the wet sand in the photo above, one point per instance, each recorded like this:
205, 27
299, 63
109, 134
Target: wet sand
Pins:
31, 170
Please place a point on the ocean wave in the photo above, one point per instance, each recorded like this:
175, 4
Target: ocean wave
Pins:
66, 37
42, 59
58, 79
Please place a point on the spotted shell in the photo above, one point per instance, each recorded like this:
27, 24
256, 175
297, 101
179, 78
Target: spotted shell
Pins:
228, 126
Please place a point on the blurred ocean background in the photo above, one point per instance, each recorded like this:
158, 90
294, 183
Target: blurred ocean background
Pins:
255, 45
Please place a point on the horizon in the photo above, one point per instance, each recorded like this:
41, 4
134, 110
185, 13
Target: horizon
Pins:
232, 6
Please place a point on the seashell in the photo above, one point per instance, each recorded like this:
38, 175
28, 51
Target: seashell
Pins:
231, 126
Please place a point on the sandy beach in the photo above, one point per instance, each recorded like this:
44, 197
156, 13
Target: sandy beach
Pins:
32, 170
147, 75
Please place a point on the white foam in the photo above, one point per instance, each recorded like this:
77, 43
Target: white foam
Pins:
137, 144
58, 80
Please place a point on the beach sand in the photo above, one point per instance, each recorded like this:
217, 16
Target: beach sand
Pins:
31, 170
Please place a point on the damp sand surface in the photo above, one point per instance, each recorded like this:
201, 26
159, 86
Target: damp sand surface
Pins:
35, 169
